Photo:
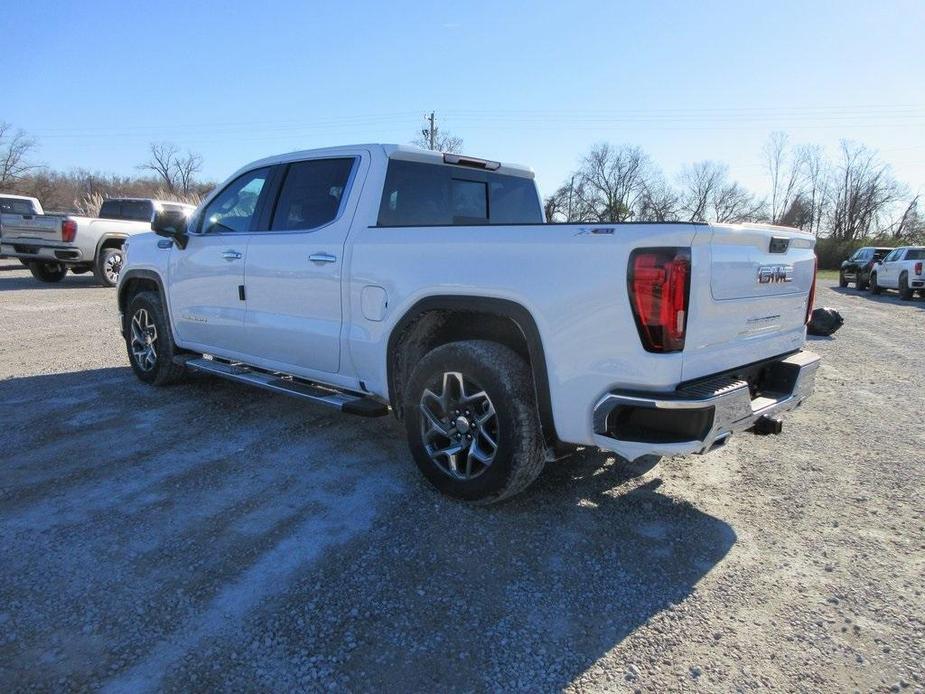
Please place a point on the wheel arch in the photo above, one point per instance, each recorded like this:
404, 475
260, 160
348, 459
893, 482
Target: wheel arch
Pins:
109, 240
425, 326
135, 281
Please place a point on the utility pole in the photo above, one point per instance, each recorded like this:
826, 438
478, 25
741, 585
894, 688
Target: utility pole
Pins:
430, 133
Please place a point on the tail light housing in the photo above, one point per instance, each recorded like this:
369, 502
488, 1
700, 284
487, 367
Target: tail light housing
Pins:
68, 230
659, 283
918, 268
812, 292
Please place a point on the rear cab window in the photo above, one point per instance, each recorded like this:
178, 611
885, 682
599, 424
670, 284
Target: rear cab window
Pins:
915, 254
133, 210
422, 194
15, 206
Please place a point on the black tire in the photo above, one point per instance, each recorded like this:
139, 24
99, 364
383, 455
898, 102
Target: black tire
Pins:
873, 286
47, 272
159, 370
842, 282
905, 293
107, 267
859, 282
505, 378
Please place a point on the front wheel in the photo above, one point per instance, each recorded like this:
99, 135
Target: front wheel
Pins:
472, 421
842, 282
874, 287
108, 266
905, 293
859, 282
149, 342
47, 272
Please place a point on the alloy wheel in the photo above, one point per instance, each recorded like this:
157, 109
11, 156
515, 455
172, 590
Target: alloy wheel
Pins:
112, 266
459, 426
144, 340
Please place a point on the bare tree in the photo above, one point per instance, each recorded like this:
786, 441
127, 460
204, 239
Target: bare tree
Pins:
15, 149
443, 142
813, 198
863, 191
175, 171
610, 184
785, 171
708, 195
660, 201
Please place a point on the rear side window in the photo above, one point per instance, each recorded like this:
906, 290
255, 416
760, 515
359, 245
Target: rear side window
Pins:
418, 194
915, 254
311, 194
14, 206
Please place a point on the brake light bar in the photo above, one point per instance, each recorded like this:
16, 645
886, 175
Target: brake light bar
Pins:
460, 160
658, 280
68, 230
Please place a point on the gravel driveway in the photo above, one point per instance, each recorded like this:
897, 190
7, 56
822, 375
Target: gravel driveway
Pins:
210, 536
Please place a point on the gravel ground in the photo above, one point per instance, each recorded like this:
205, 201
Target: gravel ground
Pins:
208, 536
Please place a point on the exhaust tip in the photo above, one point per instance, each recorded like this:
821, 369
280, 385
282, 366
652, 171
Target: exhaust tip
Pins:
768, 425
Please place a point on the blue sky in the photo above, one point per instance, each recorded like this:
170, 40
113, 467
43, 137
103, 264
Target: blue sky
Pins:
530, 82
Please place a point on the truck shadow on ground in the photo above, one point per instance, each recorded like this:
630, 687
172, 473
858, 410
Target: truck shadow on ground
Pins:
216, 535
11, 280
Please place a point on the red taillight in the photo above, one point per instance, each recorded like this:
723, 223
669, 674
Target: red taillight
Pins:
659, 287
812, 292
918, 268
68, 230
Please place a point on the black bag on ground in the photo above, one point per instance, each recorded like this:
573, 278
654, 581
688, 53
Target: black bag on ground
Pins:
824, 321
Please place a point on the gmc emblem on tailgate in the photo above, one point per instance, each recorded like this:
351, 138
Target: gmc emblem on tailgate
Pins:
775, 274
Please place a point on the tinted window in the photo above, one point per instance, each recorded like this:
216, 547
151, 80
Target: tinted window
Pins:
417, 194
470, 201
233, 209
311, 194
878, 255
915, 254
111, 209
137, 210
14, 206
892, 256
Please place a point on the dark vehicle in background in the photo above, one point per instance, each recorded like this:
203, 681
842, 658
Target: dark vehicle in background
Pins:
857, 268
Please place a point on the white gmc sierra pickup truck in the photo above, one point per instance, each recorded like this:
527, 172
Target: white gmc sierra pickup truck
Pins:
379, 276
51, 244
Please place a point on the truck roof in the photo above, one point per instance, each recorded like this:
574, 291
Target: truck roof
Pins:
18, 197
393, 151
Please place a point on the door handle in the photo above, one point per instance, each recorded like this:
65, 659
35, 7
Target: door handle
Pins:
322, 258
231, 255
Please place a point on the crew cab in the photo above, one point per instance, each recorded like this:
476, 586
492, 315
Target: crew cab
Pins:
17, 205
901, 269
373, 278
50, 245
857, 268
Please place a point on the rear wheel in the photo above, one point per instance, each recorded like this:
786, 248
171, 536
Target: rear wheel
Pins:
905, 293
108, 266
472, 421
47, 272
874, 287
149, 341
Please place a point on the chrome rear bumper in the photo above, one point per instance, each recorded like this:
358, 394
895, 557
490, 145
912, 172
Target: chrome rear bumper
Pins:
698, 417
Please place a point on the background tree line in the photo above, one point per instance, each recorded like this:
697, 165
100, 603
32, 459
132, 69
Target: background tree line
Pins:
846, 200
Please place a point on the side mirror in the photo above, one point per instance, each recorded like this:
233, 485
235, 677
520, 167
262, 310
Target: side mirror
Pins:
172, 224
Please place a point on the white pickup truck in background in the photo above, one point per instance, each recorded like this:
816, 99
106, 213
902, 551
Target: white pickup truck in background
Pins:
50, 245
902, 269
379, 277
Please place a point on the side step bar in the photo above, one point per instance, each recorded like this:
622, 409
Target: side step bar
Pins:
345, 402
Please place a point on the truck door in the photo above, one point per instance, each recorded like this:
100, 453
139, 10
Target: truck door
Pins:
206, 278
295, 266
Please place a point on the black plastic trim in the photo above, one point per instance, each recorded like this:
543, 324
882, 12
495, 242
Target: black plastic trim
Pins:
499, 307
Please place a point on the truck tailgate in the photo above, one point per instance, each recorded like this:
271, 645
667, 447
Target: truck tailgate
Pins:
30, 227
750, 286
